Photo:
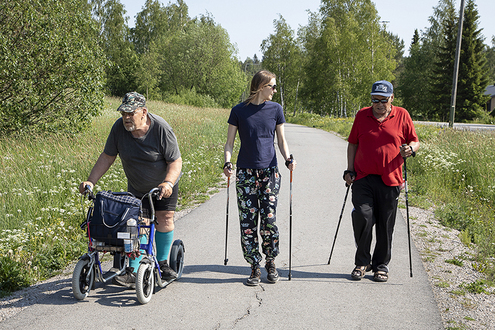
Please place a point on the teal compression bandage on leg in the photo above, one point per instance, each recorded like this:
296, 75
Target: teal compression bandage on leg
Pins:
135, 263
163, 244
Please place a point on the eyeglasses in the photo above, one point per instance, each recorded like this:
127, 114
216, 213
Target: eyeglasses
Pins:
382, 100
273, 86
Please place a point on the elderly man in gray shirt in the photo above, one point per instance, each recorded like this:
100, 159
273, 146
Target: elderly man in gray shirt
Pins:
151, 158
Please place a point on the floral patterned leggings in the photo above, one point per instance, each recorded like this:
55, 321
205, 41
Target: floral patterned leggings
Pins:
257, 196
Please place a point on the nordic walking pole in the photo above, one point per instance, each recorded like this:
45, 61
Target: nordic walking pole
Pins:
290, 225
407, 213
338, 225
227, 222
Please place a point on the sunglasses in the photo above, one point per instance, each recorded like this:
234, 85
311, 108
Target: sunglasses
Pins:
273, 86
382, 101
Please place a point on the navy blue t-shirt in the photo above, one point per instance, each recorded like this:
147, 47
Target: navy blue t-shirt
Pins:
256, 126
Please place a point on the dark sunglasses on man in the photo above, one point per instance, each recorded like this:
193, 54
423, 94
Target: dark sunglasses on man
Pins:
382, 101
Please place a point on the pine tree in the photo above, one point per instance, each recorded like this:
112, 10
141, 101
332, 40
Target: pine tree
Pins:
473, 78
490, 62
442, 73
413, 83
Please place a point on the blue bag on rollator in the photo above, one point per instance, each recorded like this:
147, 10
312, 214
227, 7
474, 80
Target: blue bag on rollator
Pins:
110, 214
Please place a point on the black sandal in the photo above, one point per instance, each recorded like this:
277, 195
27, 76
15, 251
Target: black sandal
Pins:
380, 276
359, 271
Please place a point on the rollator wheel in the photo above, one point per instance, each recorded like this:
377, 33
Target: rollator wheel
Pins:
145, 283
177, 257
83, 279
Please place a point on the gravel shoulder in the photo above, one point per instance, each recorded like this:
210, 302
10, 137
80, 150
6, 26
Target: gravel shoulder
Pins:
441, 249
459, 308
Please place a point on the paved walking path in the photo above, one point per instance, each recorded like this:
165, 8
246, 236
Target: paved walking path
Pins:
212, 296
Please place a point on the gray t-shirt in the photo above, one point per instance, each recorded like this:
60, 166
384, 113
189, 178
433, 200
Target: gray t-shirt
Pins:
145, 158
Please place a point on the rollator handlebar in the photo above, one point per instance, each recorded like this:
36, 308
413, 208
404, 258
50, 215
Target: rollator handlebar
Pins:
153, 193
88, 191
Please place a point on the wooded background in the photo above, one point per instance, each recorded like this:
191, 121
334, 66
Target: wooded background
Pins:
59, 58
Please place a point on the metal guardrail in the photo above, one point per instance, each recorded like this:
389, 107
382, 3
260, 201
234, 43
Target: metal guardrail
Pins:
461, 126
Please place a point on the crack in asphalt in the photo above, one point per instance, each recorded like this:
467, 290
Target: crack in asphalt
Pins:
248, 311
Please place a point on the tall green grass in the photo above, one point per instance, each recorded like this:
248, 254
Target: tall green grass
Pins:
453, 173
41, 208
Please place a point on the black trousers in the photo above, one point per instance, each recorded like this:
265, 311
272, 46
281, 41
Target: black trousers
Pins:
375, 204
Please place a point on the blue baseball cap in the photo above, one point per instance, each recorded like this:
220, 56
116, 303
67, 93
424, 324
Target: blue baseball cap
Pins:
382, 88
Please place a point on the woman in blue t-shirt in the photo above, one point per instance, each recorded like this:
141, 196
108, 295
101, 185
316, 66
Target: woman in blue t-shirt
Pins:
257, 119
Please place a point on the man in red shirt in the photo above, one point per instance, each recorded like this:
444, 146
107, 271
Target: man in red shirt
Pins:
374, 168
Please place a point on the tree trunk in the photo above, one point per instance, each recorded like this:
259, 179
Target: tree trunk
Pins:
295, 101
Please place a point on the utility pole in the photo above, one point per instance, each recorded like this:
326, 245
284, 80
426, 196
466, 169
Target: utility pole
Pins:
456, 66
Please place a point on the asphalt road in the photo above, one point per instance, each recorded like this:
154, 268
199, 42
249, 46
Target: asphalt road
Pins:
213, 296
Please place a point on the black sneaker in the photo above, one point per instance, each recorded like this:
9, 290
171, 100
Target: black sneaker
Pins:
128, 279
168, 274
255, 277
272, 276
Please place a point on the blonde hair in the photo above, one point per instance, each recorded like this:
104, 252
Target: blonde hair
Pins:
259, 81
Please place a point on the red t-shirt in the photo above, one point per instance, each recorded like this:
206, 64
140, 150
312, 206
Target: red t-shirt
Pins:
379, 142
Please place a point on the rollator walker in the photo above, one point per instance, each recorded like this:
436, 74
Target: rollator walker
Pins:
88, 269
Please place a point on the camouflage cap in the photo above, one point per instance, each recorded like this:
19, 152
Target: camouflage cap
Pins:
131, 102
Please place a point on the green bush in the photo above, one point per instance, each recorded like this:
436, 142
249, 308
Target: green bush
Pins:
53, 65
454, 216
190, 97
12, 276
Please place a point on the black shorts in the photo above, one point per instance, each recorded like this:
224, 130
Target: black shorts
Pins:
165, 204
